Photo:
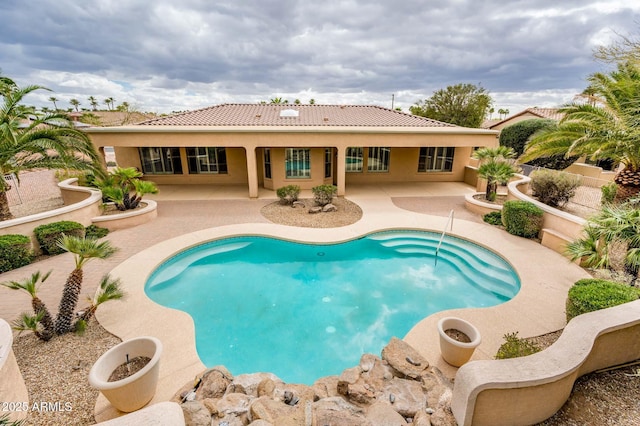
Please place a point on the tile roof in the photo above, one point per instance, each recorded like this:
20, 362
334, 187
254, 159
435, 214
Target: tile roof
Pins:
308, 115
548, 113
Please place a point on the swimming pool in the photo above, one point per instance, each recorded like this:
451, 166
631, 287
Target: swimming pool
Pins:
303, 311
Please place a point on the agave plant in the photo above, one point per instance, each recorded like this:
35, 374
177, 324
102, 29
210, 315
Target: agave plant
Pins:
30, 285
84, 250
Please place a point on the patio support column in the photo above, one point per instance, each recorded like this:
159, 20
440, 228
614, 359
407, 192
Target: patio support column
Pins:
252, 172
340, 170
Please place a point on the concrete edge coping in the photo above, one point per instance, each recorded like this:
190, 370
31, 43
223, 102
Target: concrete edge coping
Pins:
161, 414
150, 207
469, 199
94, 195
6, 341
563, 358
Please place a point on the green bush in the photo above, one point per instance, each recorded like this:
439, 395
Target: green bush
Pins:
288, 194
493, 218
323, 194
515, 347
522, 218
93, 231
49, 234
608, 193
592, 294
554, 188
15, 251
516, 136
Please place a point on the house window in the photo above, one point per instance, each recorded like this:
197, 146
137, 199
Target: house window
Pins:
436, 159
298, 163
354, 159
328, 162
204, 159
378, 160
156, 160
267, 163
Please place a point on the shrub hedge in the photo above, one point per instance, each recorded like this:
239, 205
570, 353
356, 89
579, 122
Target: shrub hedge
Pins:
522, 218
493, 218
48, 234
592, 294
93, 231
288, 194
15, 251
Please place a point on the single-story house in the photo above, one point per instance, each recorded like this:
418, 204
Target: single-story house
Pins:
273, 145
527, 114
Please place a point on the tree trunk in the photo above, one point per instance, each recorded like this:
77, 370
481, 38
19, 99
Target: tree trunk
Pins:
46, 321
68, 302
5, 213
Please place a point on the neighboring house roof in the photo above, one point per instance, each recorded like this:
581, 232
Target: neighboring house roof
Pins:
294, 115
115, 118
529, 113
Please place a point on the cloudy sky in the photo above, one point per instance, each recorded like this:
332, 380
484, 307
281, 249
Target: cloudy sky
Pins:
165, 56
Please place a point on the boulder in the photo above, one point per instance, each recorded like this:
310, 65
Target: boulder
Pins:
271, 410
252, 382
406, 396
234, 404
404, 359
296, 204
326, 387
382, 414
315, 209
195, 414
214, 383
337, 411
329, 208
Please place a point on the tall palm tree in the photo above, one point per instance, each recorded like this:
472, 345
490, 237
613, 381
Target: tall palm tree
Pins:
109, 101
84, 250
496, 165
30, 141
54, 100
75, 103
602, 123
30, 285
93, 102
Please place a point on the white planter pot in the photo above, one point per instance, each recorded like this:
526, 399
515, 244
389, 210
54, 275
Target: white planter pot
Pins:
454, 352
135, 391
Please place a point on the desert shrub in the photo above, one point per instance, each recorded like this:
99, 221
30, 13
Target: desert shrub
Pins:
608, 193
288, 194
493, 218
49, 234
15, 251
93, 231
111, 164
554, 188
323, 194
592, 294
514, 347
522, 218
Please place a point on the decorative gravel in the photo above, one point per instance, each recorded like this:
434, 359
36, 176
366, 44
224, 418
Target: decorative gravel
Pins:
346, 214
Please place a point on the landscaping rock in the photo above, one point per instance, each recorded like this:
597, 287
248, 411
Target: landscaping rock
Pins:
195, 414
398, 389
329, 208
314, 210
296, 204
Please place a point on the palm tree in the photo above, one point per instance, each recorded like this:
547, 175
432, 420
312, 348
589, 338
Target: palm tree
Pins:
30, 285
31, 141
54, 100
614, 226
109, 101
496, 165
602, 123
93, 102
109, 289
28, 322
124, 187
75, 103
84, 250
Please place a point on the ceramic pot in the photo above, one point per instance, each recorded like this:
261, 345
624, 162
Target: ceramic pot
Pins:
133, 392
454, 352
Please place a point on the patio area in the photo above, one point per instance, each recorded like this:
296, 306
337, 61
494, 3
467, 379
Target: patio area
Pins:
189, 215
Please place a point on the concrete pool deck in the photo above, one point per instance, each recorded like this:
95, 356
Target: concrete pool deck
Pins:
187, 217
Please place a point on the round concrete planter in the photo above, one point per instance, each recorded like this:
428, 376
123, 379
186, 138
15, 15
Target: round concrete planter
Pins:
454, 352
135, 391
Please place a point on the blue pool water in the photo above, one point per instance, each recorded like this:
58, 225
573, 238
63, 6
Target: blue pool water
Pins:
304, 311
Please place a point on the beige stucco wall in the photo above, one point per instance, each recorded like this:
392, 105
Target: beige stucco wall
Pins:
245, 152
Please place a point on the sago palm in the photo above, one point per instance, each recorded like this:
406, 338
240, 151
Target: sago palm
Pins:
30, 322
603, 123
496, 166
109, 289
30, 285
84, 250
32, 141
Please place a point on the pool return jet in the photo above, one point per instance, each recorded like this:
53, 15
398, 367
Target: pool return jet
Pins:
444, 231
